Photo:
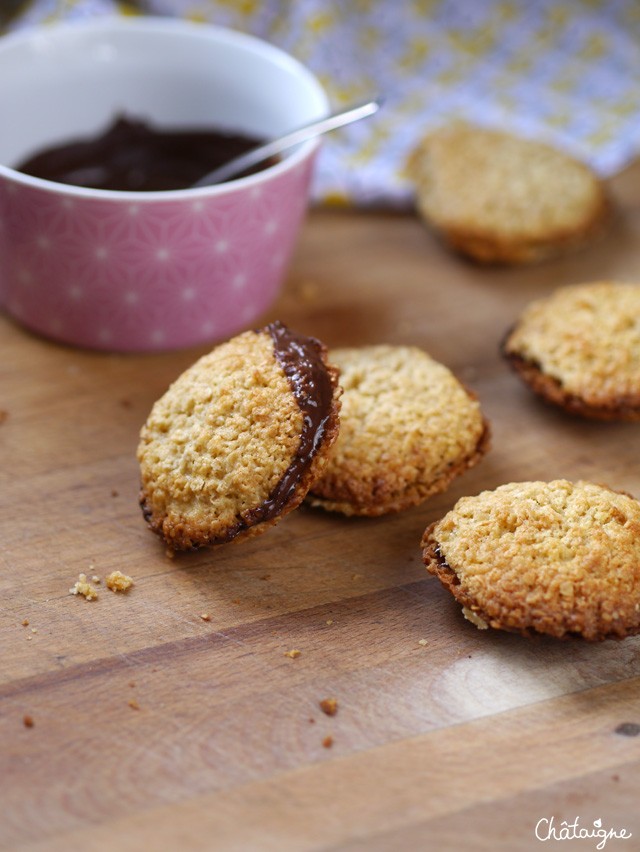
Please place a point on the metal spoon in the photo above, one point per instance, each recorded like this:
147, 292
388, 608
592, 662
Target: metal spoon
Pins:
270, 149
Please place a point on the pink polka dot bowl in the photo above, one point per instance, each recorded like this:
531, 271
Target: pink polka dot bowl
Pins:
147, 271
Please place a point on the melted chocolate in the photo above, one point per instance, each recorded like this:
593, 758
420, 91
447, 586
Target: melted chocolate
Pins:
301, 360
441, 560
136, 157
444, 565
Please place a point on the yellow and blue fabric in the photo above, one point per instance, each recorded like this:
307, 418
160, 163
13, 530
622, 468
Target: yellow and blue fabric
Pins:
566, 72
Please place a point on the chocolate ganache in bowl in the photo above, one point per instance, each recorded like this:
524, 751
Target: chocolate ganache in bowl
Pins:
107, 124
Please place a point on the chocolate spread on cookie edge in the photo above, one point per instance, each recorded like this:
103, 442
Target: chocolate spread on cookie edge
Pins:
444, 565
302, 363
551, 390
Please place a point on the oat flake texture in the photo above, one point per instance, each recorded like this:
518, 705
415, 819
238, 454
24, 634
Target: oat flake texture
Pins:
407, 429
580, 348
499, 198
219, 441
557, 557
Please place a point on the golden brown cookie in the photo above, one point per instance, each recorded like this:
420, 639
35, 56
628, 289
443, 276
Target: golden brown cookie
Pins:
237, 440
499, 198
407, 428
559, 558
580, 349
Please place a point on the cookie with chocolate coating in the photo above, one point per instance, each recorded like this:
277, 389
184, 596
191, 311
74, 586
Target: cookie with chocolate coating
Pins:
557, 558
408, 427
500, 198
579, 348
238, 438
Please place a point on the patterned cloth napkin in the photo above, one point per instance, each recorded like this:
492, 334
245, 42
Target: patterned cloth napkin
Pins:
566, 72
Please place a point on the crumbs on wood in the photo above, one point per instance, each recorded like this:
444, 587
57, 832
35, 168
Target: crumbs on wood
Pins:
84, 588
118, 582
329, 706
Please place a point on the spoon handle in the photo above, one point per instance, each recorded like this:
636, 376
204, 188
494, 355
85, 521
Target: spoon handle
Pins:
270, 149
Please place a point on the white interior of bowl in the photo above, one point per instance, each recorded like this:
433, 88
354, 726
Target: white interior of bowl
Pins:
71, 80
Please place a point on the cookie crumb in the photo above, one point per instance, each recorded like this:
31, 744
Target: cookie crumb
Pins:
133, 704
474, 618
25, 622
84, 588
27, 721
266, 577
95, 579
329, 621
422, 642
327, 742
34, 629
293, 653
329, 706
628, 729
118, 582
205, 616
357, 576
29, 638
170, 553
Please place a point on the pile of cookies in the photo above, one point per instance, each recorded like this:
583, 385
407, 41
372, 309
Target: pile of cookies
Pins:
271, 418
265, 420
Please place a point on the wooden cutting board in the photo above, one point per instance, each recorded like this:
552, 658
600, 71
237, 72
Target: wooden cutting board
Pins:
155, 729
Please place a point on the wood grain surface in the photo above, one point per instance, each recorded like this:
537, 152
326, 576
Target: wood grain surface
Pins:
155, 729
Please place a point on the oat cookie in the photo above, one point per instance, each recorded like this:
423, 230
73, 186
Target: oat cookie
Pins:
236, 441
407, 428
499, 198
559, 558
580, 348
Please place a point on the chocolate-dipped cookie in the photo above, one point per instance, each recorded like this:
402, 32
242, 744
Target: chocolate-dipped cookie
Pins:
238, 438
557, 558
579, 348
